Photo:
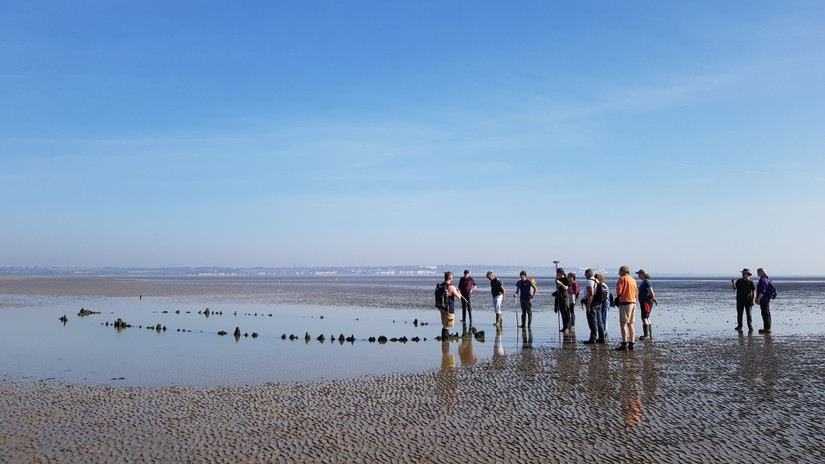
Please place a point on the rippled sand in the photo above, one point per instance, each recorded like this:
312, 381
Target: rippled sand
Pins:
747, 399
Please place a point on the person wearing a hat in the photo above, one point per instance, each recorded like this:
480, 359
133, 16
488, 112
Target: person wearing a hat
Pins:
647, 298
745, 297
466, 285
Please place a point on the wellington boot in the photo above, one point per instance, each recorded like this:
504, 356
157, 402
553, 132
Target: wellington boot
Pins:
644, 337
650, 332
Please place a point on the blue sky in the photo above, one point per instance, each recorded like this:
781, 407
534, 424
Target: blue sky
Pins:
674, 136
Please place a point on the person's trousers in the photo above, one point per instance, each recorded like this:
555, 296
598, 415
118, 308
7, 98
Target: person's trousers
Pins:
564, 308
743, 308
765, 307
466, 307
497, 303
594, 321
527, 313
572, 310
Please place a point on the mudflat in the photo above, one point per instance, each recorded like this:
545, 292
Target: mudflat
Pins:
707, 399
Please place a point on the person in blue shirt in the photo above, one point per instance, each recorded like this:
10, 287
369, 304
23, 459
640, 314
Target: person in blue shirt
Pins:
525, 291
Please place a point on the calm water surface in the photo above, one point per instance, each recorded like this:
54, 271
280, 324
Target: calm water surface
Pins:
84, 350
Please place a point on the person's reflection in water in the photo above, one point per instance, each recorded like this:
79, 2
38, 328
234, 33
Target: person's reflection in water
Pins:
499, 356
599, 385
629, 391
528, 367
466, 353
446, 385
650, 376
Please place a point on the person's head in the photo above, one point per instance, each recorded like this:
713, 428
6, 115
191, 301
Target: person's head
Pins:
624, 270
572, 276
448, 276
523, 275
466, 272
761, 272
560, 272
599, 277
642, 274
588, 273
746, 273
491, 276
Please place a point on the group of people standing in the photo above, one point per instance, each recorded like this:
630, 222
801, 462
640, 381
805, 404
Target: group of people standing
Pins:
597, 300
748, 294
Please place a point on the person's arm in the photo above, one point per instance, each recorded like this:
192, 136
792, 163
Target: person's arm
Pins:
533, 290
590, 295
733, 284
561, 285
652, 295
503, 291
620, 290
518, 289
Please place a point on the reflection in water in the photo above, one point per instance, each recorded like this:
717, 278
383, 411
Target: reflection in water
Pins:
629, 391
499, 357
759, 366
465, 352
528, 368
599, 385
446, 385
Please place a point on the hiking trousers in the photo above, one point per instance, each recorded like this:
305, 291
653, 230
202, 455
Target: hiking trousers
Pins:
744, 308
765, 307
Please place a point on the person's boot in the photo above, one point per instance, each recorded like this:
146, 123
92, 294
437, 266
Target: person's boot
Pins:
630, 346
601, 336
644, 337
622, 347
650, 332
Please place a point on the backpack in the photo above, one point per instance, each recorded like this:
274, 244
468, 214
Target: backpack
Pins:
442, 300
771, 291
600, 295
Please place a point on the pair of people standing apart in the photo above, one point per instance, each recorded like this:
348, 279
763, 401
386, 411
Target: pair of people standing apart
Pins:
466, 285
749, 293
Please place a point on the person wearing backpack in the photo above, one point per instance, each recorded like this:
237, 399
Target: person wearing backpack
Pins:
593, 302
445, 295
763, 297
647, 298
601, 311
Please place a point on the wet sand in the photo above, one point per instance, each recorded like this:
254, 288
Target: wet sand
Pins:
712, 399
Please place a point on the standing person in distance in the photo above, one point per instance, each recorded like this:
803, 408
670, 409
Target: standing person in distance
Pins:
498, 291
525, 291
466, 285
626, 294
590, 306
745, 297
572, 298
601, 302
561, 303
647, 298
763, 297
